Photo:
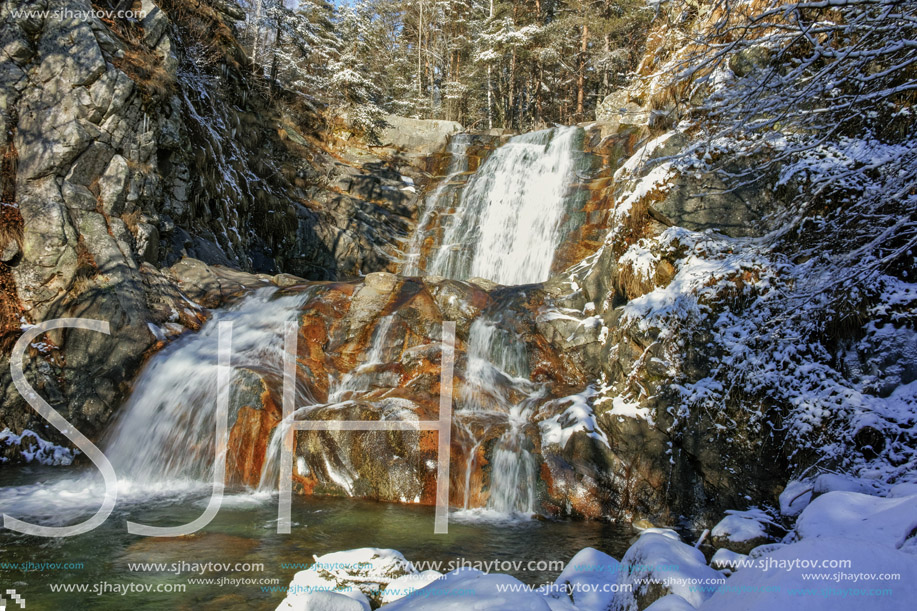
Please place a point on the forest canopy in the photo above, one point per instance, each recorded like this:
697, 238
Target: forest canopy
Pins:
516, 64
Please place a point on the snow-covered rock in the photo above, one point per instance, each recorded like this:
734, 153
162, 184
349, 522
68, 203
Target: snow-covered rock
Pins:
727, 561
782, 585
33, 448
902, 490
658, 564
886, 521
466, 589
835, 482
742, 531
795, 497
588, 580
672, 602
401, 587
323, 600
360, 574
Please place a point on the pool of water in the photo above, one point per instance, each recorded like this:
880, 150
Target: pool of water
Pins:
245, 532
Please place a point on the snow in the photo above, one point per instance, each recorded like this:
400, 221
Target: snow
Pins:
325, 601
661, 559
902, 490
402, 586
641, 259
35, 449
558, 429
156, 331
830, 482
794, 498
355, 573
727, 560
859, 516
583, 577
626, 408
672, 602
780, 582
642, 155
742, 525
654, 180
466, 589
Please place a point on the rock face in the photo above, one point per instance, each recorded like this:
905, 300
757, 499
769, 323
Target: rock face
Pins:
128, 150
418, 135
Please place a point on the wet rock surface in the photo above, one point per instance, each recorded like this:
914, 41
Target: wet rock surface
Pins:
132, 197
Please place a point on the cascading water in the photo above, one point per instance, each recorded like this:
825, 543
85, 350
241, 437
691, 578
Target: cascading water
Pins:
166, 430
509, 221
437, 202
506, 226
163, 440
360, 377
496, 365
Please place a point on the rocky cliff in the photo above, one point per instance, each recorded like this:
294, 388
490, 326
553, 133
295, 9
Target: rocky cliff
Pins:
132, 143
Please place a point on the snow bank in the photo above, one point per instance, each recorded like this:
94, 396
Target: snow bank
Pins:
659, 563
583, 578
472, 589
403, 586
741, 531
326, 601
672, 602
781, 584
359, 574
794, 498
886, 521
727, 560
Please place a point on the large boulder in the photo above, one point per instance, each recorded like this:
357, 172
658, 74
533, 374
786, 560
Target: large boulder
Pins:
472, 589
361, 574
423, 136
660, 564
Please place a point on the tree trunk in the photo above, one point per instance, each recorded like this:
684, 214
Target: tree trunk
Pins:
539, 109
419, 53
581, 78
490, 86
274, 60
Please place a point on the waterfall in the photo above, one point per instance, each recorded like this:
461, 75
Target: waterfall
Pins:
166, 430
437, 202
496, 364
360, 378
512, 482
162, 443
509, 220
505, 226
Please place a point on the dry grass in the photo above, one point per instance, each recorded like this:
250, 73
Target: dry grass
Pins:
131, 220
10, 231
146, 69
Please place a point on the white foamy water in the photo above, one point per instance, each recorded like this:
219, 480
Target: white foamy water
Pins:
508, 223
162, 444
437, 202
166, 430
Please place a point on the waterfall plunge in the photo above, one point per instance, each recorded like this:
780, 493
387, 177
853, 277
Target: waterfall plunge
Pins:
508, 223
166, 430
